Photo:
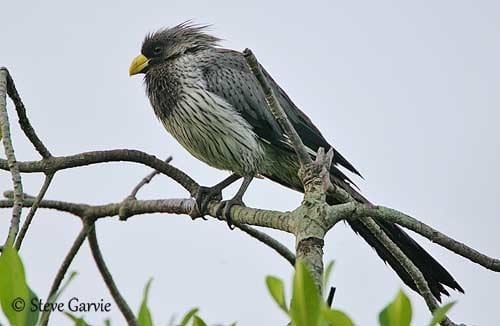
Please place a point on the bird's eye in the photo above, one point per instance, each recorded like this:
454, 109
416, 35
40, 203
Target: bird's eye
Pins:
157, 50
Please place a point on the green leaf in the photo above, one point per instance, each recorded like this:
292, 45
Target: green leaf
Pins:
306, 302
145, 318
396, 313
32, 317
14, 292
336, 317
327, 273
78, 321
197, 321
277, 291
440, 313
187, 317
107, 322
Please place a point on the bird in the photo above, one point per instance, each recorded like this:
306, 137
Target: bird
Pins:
207, 98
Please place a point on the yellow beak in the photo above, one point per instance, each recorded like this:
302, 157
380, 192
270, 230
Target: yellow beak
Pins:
138, 65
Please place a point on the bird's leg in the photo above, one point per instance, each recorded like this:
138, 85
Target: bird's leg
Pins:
225, 206
206, 194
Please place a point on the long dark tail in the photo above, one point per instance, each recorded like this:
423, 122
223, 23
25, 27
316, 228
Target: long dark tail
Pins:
435, 274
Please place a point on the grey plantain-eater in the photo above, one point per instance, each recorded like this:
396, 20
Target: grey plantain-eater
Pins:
210, 102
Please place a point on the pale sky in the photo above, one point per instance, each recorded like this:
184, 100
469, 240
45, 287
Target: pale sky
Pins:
407, 91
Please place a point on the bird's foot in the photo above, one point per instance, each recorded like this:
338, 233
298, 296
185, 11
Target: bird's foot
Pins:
225, 207
205, 195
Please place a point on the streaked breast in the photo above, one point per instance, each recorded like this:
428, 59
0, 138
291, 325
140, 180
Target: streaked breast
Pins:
212, 131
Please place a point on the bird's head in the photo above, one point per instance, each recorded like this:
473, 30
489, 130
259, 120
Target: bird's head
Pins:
169, 44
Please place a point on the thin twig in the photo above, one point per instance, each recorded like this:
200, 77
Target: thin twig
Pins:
33, 209
44, 319
23, 118
11, 160
268, 240
276, 109
147, 179
108, 278
30, 133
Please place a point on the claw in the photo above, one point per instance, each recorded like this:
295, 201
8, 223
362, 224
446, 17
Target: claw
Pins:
225, 207
205, 195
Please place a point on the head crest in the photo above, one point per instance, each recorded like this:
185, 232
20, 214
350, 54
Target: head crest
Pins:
186, 33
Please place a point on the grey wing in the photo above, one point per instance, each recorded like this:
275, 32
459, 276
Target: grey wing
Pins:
229, 76
308, 132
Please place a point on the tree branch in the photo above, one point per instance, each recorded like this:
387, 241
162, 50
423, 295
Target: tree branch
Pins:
30, 133
44, 319
129, 208
261, 236
283, 221
309, 237
57, 163
67, 207
276, 109
33, 209
268, 240
23, 118
355, 210
11, 160
147, 179
392, 215
108, 278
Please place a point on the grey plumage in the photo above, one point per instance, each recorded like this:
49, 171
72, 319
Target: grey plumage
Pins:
208, 99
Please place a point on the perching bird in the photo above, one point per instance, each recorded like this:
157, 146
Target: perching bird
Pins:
212, 104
